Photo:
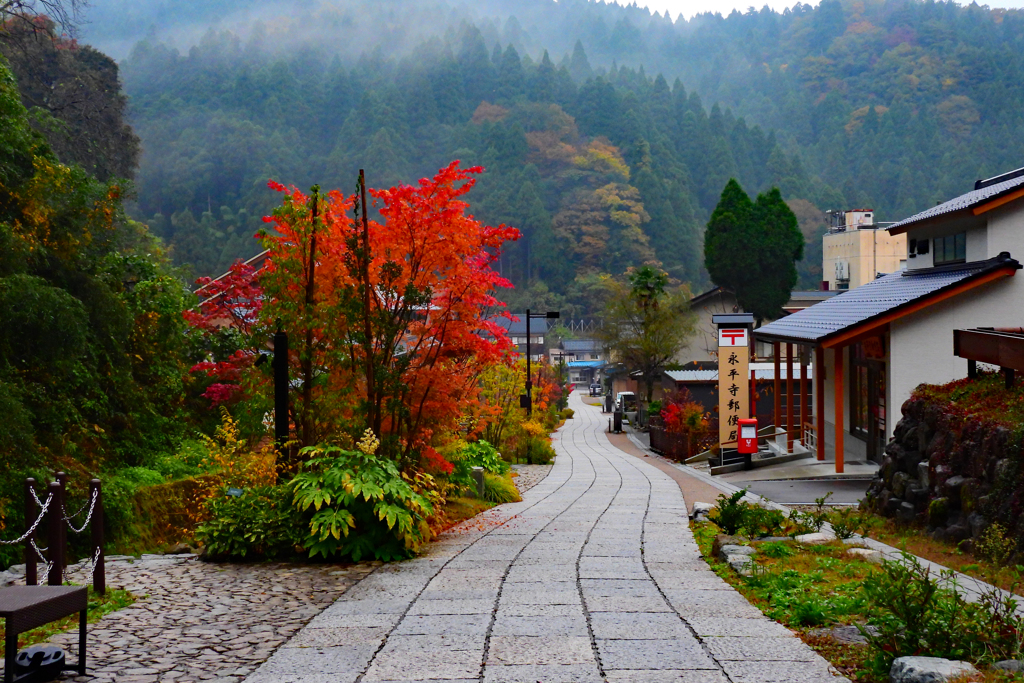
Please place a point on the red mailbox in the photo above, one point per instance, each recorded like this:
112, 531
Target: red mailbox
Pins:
747, 442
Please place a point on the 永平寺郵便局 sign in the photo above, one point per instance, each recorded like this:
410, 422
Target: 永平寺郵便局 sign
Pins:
733, 382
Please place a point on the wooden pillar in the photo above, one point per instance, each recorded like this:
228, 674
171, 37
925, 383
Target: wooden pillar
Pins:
803, 393
31, 512
790, 399
753, 395
819, 399
777, 388
838, 382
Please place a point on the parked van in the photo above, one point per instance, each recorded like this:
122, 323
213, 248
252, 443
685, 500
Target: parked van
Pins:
626, 402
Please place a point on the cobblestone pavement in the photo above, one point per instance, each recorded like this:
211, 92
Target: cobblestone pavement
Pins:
196, 621
595, 576
529, 476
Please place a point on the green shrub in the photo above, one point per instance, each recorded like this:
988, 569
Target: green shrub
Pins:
186, 462
360, 505
535, 450
775, 550
760, 521
915, 615
815, 519
995, 545
262, 523
500, 489
731, 512
846, 522
567, 413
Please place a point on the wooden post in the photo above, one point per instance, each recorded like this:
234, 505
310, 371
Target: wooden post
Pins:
819, 399
56, 523
803, 392
753, 394
777, 408
31, 578
62, 477
790, 399
99, 576
838, 382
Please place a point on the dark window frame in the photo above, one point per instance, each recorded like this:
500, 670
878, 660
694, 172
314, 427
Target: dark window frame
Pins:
949, 249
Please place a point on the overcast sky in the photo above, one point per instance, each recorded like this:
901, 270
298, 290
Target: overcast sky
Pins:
690, 7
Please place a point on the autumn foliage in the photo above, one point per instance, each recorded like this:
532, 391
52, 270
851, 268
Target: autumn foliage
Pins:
388, 317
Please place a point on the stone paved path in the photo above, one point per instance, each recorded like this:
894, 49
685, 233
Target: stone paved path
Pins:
195, 621
593, 577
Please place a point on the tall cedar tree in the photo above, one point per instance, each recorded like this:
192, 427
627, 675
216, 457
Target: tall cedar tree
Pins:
751, 248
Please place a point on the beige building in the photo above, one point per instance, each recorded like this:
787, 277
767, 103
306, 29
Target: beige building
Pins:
856, 250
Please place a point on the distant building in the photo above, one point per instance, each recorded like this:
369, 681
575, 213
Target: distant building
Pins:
701, 349
517, 334
584, 359
856, 250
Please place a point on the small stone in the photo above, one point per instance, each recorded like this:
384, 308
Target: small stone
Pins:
819, 538
928, 670
866, 554
905, 513
728, 551
1009, 665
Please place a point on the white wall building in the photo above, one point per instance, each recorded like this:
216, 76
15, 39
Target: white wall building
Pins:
878, 342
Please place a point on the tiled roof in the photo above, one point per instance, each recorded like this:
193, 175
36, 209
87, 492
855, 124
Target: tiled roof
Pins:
537, 325
964, 201
874, 299
813, 295
586, 363
581, 345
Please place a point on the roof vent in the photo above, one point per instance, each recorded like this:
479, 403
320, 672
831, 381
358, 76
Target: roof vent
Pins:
998, 179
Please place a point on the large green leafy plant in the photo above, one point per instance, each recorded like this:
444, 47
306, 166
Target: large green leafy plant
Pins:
261, 523
361, 505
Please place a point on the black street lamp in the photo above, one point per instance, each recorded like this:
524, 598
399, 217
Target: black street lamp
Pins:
526, 401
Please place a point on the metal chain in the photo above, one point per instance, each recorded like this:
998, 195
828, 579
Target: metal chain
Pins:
92, 507
42, 558
36, 496
35, 524
68, 518
92, 566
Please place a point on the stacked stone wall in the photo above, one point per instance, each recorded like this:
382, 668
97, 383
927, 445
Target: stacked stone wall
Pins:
953, 474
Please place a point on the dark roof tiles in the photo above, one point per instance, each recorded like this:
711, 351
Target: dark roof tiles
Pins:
964, 201
873, 299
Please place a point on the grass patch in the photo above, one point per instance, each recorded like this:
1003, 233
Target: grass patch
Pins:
99, 606
915, 540
812, 588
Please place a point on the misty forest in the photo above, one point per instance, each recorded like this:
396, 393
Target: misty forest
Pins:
607, 133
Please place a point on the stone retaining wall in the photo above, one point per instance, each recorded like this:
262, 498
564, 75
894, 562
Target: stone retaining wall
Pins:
954, 475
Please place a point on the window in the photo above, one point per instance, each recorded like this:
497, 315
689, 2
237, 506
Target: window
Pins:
950, 249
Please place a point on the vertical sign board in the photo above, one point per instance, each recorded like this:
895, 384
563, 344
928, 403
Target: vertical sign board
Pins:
733, 375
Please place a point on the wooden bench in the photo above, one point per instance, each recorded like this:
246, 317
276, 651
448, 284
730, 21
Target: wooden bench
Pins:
27, 607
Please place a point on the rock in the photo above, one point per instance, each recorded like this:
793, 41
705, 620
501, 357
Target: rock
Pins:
728, 551
928, 670
922, 475
969, 492
1004, 469
957, 532
952, 487
722, 540
18, 569
938, 512
741, 564
977, 524
849, 634
917, 495
899, 484
182, 549
908, 462
701, 511
906, 513
893, 505
819, 538
867, 554
1009, 665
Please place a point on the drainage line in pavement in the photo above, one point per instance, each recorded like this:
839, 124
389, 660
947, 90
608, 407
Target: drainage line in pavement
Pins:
643, 559
412, 602
504, 577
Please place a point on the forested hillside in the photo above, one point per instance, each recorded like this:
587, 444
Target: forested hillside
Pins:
607, 132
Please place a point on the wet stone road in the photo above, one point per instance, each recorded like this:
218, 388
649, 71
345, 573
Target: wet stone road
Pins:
595, 576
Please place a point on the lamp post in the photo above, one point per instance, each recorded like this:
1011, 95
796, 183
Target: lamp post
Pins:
527, 400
